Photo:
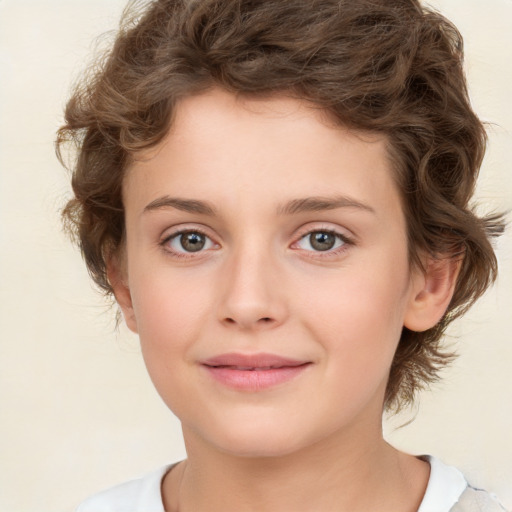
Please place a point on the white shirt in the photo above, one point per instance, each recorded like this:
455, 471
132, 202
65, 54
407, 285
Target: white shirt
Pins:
445, 487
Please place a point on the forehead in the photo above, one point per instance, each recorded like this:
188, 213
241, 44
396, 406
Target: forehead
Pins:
220, 145
217, 110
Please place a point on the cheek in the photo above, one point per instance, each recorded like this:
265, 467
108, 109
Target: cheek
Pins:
358, 318
170, 313
170, 316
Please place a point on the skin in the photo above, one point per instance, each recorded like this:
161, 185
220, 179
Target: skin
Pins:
259, 285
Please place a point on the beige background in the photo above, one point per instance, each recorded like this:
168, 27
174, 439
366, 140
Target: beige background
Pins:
78, 412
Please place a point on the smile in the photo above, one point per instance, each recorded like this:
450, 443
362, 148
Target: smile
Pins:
253, 373
250, 368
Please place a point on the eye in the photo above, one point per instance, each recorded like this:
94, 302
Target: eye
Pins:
188, 242
321, 241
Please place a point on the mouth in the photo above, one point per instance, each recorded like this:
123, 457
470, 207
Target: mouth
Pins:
250, 368
254, 372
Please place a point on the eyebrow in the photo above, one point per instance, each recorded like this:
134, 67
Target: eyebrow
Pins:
307, 204
316, 204
186, 205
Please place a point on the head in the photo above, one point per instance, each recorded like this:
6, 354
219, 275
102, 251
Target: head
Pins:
391, 69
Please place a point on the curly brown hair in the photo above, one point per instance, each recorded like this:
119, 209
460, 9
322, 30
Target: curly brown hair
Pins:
386, 66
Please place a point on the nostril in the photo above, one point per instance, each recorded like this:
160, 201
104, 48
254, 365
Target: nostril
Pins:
259, 321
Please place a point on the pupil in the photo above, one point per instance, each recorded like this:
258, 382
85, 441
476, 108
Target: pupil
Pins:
322, 241
192, 242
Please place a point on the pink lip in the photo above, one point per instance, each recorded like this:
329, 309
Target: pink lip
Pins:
253, 372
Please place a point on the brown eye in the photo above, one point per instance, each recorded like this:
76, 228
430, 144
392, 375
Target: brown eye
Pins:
192, 242
322, 241
188, 242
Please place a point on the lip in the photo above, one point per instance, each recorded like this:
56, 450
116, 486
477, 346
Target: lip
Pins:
253, 372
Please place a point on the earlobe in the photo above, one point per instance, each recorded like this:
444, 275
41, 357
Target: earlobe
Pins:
432, 291
117, 278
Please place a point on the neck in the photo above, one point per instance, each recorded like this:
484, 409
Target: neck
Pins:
365, 474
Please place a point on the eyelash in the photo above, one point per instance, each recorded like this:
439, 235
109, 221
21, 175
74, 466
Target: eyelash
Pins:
177, 234
346, 242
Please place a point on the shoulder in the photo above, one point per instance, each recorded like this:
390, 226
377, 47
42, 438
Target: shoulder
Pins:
445, 486
449, 491
477, 500
139, 495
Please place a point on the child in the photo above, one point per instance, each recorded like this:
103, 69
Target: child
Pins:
276, 193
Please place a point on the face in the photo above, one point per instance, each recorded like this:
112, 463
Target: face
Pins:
266, 273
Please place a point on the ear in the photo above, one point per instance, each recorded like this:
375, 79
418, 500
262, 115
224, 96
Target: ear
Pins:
117, 278
432, 291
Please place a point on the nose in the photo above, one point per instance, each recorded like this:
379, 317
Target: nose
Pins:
253, 296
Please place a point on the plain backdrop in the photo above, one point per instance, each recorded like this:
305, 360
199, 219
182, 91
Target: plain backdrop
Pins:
78, 412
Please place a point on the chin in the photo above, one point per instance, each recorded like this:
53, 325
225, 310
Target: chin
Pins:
259, 448
257, 440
